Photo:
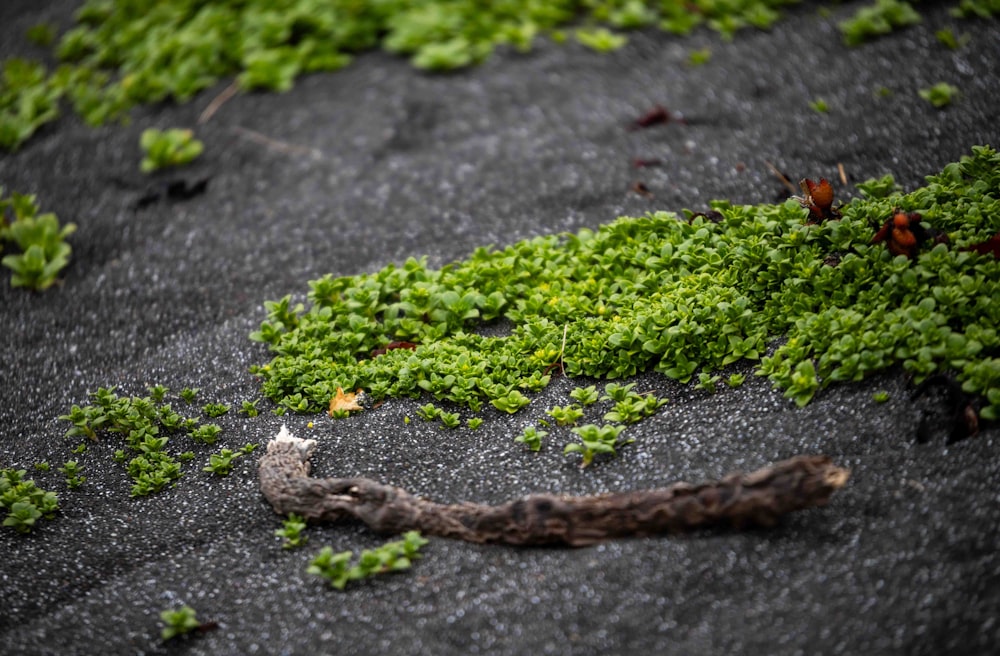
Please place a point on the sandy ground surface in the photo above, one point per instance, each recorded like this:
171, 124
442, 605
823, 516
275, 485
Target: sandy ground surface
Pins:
379, 162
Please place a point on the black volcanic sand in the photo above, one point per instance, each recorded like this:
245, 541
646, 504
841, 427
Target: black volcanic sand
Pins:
380, 162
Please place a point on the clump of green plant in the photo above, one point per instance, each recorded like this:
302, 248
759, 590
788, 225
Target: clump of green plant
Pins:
450, 419
878, 19
430, 412
565, 415
167, 148
699, 57
157, 392
221, 463
178, 622
585, 395
940, 95
24, 501
41, 34
390, 557
947, 38
40, 239
600, 39
630, 407
215, 409
249, 408
680, 296
976, 9
819, 106
146, 426
595, 440
136, 53
71, 470
881, 396
29, 98
531, 437
291, 531
707, 382
510, 402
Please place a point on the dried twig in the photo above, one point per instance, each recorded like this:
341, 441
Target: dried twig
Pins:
218, 102
757, 499
782, 177
281, 146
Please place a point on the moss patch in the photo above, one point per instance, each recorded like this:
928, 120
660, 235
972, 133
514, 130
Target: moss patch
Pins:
678, 295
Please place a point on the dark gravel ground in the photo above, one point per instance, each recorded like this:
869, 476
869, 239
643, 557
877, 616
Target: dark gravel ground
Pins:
380, 162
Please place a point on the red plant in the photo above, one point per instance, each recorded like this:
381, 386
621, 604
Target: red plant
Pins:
655, 116
903, 234
639, 187
818, 199
989, 247
392, 346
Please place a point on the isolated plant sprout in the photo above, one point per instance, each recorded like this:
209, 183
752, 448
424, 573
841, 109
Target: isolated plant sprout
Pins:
595, 440
39, 237
24, 502
338, 569
940, 95
164, 148
178, 622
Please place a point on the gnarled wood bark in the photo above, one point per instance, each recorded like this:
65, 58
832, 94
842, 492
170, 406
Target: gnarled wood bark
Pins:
738, 500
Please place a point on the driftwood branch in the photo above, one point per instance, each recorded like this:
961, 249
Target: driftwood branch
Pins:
738, 500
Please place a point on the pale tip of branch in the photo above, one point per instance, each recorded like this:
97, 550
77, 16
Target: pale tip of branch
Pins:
284, 436
837, 477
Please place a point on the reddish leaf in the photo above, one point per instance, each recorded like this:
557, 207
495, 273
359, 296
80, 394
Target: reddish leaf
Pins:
902, 234
989, 247
392, 346
818, 199
655, 116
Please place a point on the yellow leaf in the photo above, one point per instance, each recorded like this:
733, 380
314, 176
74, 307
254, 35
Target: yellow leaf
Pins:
344, 401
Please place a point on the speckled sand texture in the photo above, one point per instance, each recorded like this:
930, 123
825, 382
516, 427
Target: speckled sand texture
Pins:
389, 163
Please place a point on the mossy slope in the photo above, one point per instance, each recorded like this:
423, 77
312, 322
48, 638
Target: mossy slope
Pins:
672, 294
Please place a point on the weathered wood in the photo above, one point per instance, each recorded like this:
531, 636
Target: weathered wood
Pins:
738, 500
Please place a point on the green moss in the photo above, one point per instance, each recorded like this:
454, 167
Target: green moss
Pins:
146, 424
661, 292
120, 54
878, 19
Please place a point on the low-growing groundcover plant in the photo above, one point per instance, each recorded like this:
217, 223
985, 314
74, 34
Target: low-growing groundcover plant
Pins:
813, 303
291, 532
147, 425
167, 148
178, 622
24, 501
390, 557
939, 95
122, 54
222, 463
40, 239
